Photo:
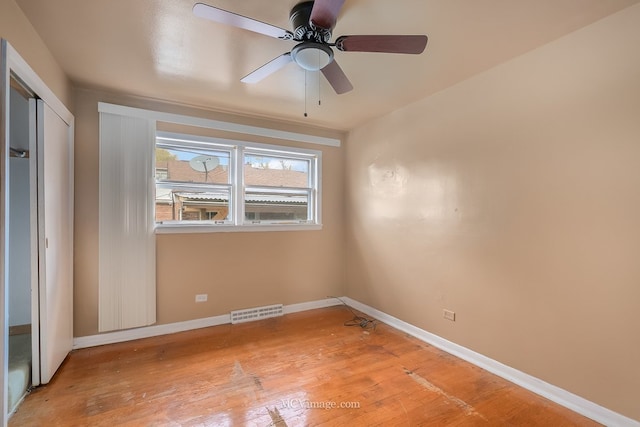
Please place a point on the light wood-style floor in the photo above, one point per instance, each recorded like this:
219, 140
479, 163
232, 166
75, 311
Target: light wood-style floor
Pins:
302, 369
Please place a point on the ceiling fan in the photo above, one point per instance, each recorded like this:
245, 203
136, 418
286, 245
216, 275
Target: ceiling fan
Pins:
313, 22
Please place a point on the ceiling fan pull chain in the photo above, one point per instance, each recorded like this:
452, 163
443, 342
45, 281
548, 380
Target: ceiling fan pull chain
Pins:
305, 92
318, 80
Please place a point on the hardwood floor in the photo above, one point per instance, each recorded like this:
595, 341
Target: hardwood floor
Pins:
298, 370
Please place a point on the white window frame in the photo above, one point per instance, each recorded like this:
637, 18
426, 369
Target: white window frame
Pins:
236, 221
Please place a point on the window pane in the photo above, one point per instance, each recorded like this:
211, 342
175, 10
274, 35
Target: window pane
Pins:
192, 165
262, 206
181, 205
276, 171
219, 183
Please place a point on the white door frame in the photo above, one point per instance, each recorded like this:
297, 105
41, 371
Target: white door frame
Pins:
11, 63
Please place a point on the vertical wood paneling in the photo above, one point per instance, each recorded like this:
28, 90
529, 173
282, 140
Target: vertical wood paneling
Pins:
127, 285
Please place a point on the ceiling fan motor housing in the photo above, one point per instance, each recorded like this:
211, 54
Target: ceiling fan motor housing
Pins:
303, 30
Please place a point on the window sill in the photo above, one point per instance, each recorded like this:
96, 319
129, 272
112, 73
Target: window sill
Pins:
189, 229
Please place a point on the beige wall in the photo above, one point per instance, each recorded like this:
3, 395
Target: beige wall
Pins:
513, 198
237, 270
15, 28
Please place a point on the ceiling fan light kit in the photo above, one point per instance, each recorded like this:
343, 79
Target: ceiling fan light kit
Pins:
312, 56
313, 23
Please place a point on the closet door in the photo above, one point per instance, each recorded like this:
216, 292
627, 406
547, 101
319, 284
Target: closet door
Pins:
55, 227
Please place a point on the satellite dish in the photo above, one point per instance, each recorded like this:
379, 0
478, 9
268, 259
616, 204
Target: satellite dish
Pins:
204, 164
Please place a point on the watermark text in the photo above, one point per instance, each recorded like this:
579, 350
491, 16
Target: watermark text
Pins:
310, 404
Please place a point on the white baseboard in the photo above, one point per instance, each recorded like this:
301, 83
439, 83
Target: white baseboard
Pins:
311, 305
560, 396
148, 331
171, 328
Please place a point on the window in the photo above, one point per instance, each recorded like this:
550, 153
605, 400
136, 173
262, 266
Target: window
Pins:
222, 184
277, 187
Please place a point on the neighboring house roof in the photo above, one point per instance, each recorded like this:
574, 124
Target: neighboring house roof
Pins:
254, 198
180, 170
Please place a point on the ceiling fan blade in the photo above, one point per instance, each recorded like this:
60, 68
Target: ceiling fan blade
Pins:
229, 18
325, 13
387, 44
267, 69
337, 78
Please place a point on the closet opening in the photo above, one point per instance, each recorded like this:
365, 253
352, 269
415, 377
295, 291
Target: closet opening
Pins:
22, 256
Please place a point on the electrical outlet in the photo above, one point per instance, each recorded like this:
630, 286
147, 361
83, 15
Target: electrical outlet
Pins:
201, 298
449, 315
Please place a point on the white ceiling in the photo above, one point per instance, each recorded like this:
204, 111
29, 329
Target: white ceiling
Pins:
159, 49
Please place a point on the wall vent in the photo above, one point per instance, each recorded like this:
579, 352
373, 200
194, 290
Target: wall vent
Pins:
250, 314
